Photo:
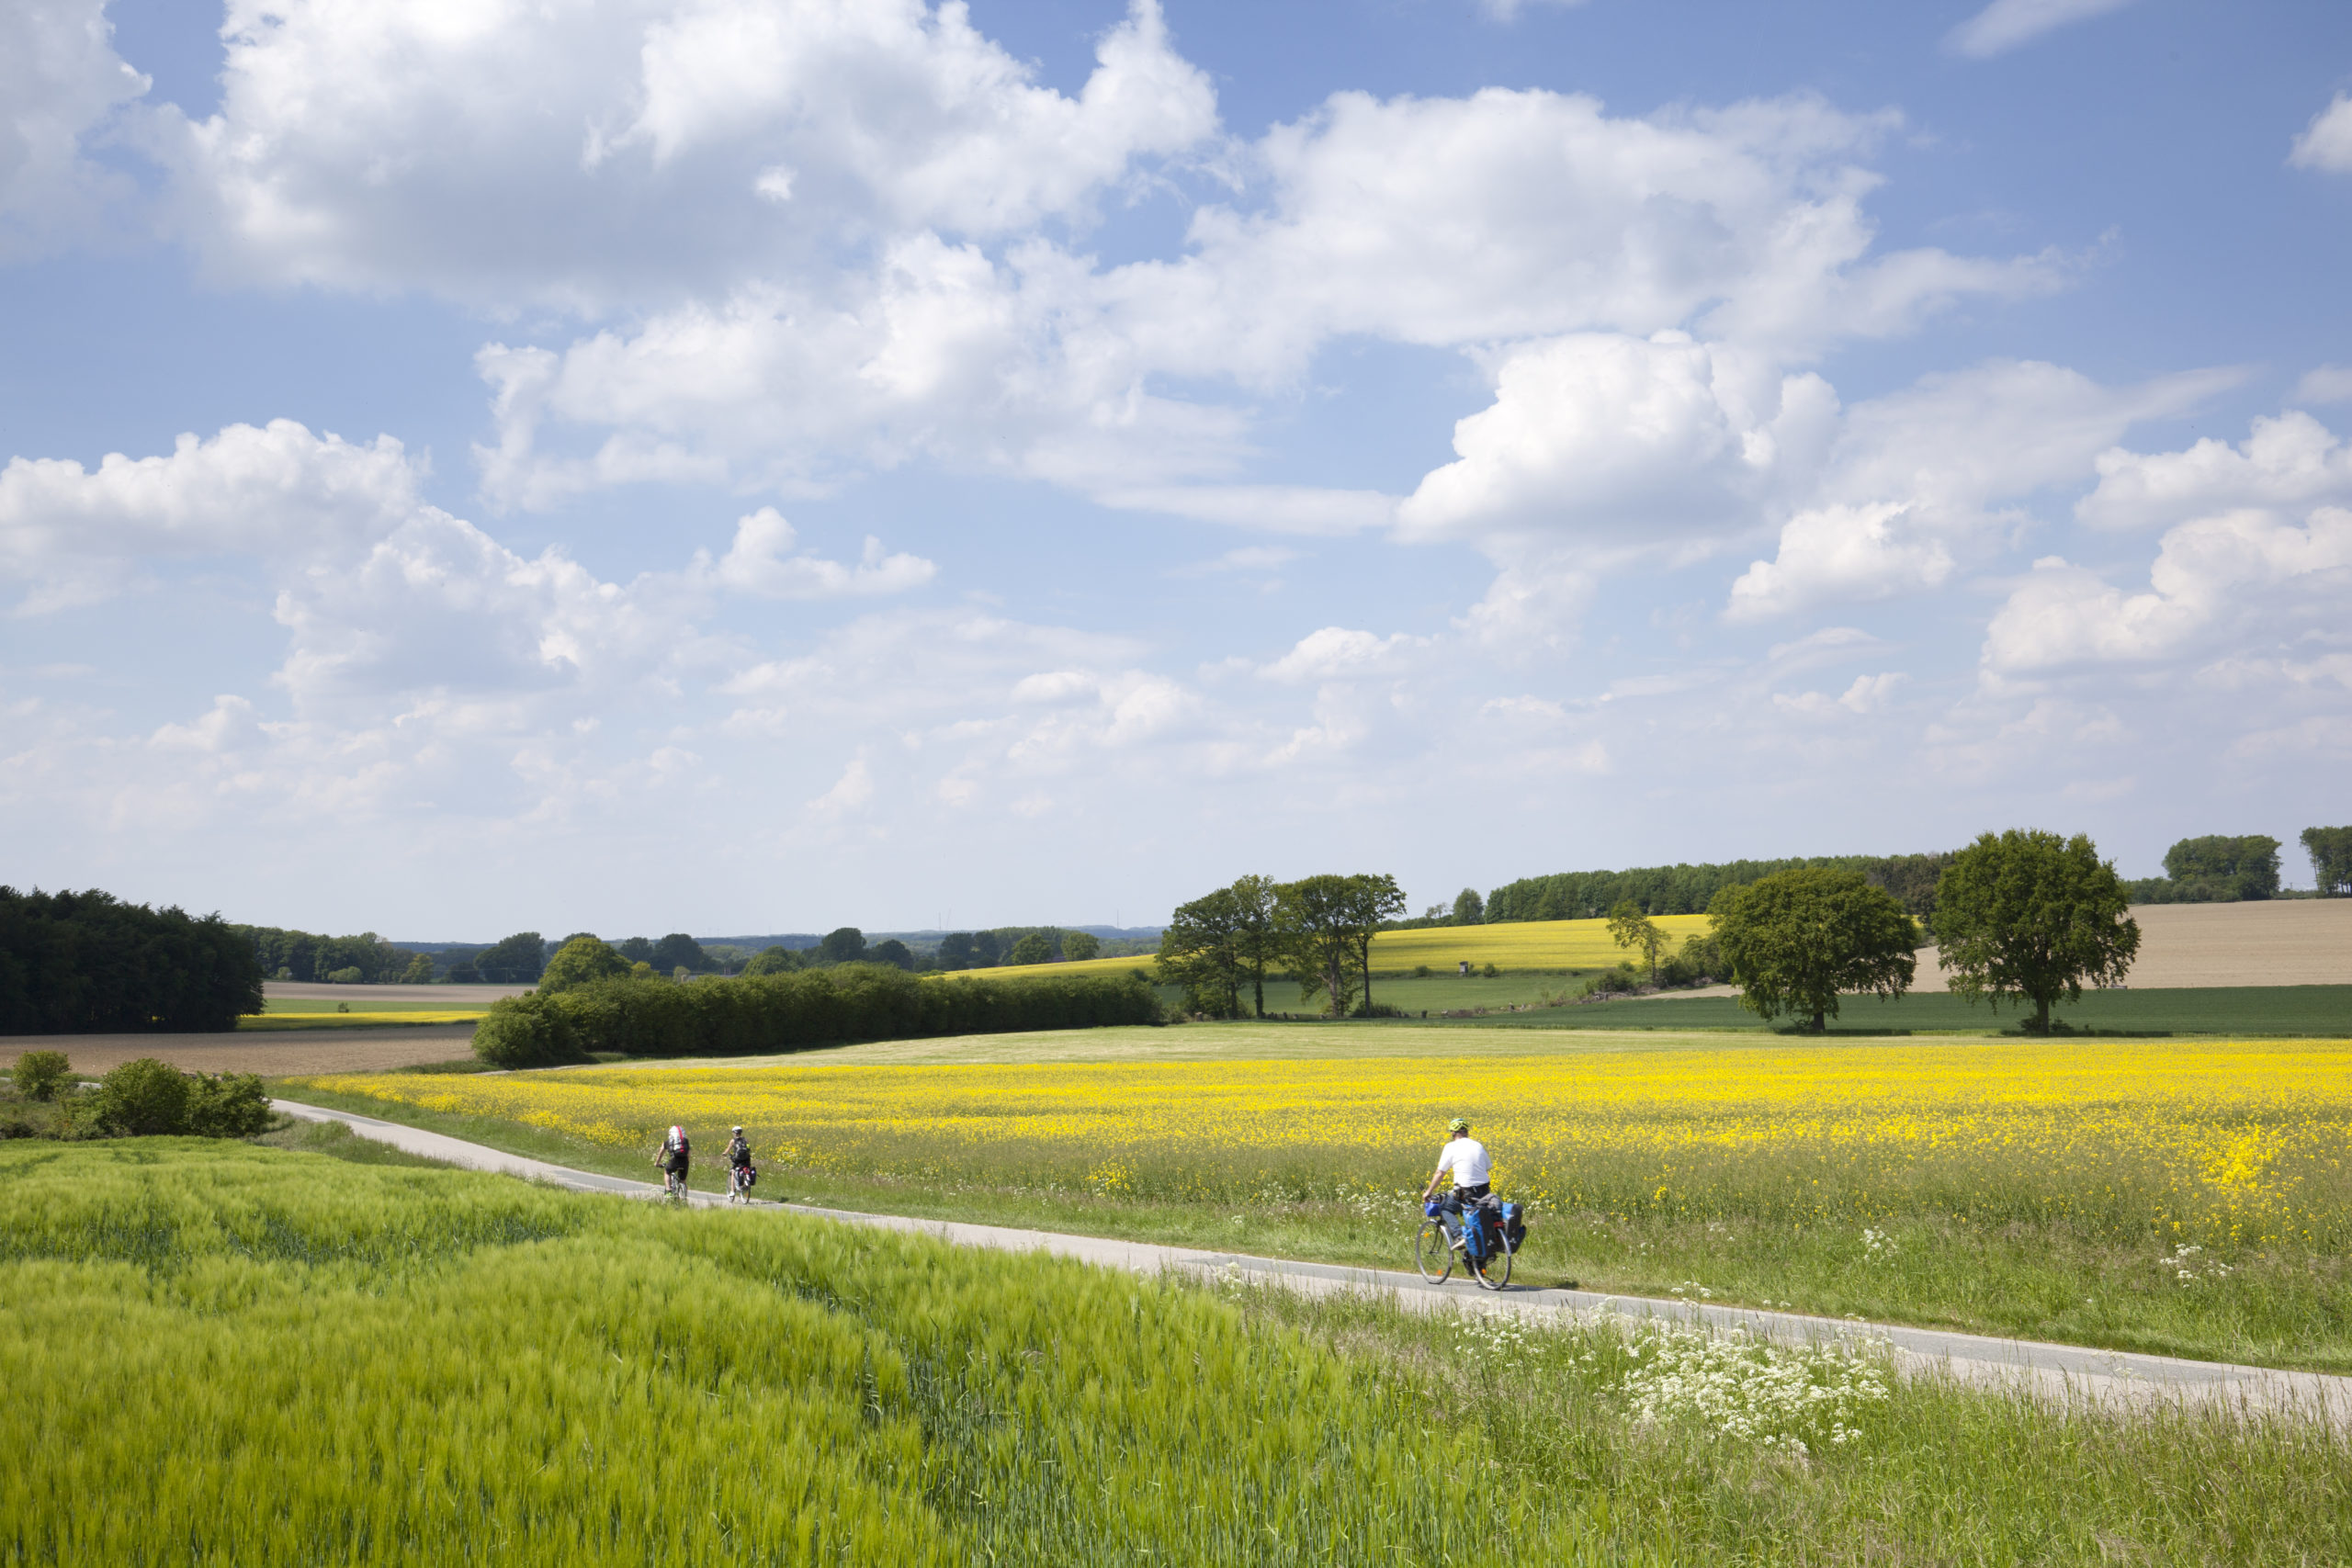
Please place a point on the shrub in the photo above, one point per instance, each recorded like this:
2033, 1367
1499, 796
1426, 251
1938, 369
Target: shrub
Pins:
770, 960
1491, 973
226, 1105
349, 976
533, 1031
794, 1011
143, 1099
40, 1074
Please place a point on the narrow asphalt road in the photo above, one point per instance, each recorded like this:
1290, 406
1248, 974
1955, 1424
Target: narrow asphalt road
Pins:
2057, 1371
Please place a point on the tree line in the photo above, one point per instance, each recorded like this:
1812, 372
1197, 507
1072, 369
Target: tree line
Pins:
567, 1022
87, 963
1684, 889
2221, 868
2214, 868
1316, 930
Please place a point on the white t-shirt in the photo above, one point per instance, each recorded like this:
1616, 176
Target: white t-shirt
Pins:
1468, 1158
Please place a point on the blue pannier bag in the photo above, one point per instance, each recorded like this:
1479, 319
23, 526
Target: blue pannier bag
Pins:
1514, 1225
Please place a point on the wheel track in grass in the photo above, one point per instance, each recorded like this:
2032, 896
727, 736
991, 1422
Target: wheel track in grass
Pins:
2047, 1370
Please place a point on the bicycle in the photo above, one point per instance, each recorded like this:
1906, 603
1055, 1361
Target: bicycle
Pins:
674, 1187
739, 1183
1485, 1258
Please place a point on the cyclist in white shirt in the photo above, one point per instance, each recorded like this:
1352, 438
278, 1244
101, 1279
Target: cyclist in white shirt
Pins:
1466, 1157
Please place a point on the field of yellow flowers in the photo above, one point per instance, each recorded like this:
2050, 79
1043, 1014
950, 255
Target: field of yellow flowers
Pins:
2217, 1143
1515, 945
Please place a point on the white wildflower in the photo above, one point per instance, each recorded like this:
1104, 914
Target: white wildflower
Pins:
1751, 1390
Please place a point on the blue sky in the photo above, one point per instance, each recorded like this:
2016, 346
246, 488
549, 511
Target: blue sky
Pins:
746, 466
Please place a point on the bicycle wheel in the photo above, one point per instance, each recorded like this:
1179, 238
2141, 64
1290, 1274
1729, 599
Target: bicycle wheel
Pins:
1493, 1272
1434, 1251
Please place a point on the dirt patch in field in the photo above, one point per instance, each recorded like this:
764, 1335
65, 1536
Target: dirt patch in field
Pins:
2294, 942
271, 1054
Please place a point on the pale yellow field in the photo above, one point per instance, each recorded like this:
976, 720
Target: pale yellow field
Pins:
1522, 945
2234, 1141
359, 1018
1082, 966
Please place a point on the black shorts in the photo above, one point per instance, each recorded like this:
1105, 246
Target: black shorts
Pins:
1463, 1197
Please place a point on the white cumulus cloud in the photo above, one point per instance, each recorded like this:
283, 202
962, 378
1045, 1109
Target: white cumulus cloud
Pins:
60, 83
1922, 479
2325, 143
2287, 461
759, 562
2242, 575
507, 151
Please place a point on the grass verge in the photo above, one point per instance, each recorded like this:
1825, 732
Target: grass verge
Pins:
266, 1356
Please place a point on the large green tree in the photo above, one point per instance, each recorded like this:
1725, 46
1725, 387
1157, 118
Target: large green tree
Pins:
2223, 866
2331, 853
1469, 909
773, 959
1034, 948
1200, 951
518, 960
1257, 934
1796, 938
1320, 918
678, 951
2027, 916
1377, 899
1079, 946
580, 961
1628, 927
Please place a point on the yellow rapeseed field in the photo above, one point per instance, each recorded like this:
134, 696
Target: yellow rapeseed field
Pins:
361, 1015
1519, 944
2235, 1141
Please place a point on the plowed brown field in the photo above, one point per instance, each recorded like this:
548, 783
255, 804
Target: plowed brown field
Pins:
2293, 941
284, 1051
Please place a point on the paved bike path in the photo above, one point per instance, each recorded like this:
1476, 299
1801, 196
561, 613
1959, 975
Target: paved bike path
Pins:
2054, 1370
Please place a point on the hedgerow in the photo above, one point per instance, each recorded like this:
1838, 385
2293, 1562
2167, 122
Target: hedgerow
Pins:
795, 1011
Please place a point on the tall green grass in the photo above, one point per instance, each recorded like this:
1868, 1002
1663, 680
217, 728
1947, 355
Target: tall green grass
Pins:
245, 1356
1937, 1472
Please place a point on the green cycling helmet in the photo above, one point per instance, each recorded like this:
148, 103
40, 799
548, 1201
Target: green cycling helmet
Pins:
1457, 1125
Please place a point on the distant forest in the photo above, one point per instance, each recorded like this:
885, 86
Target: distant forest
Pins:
1685, 889
87, 963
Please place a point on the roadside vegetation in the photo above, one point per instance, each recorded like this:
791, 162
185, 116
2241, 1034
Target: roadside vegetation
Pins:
44, 1098
409, 1365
